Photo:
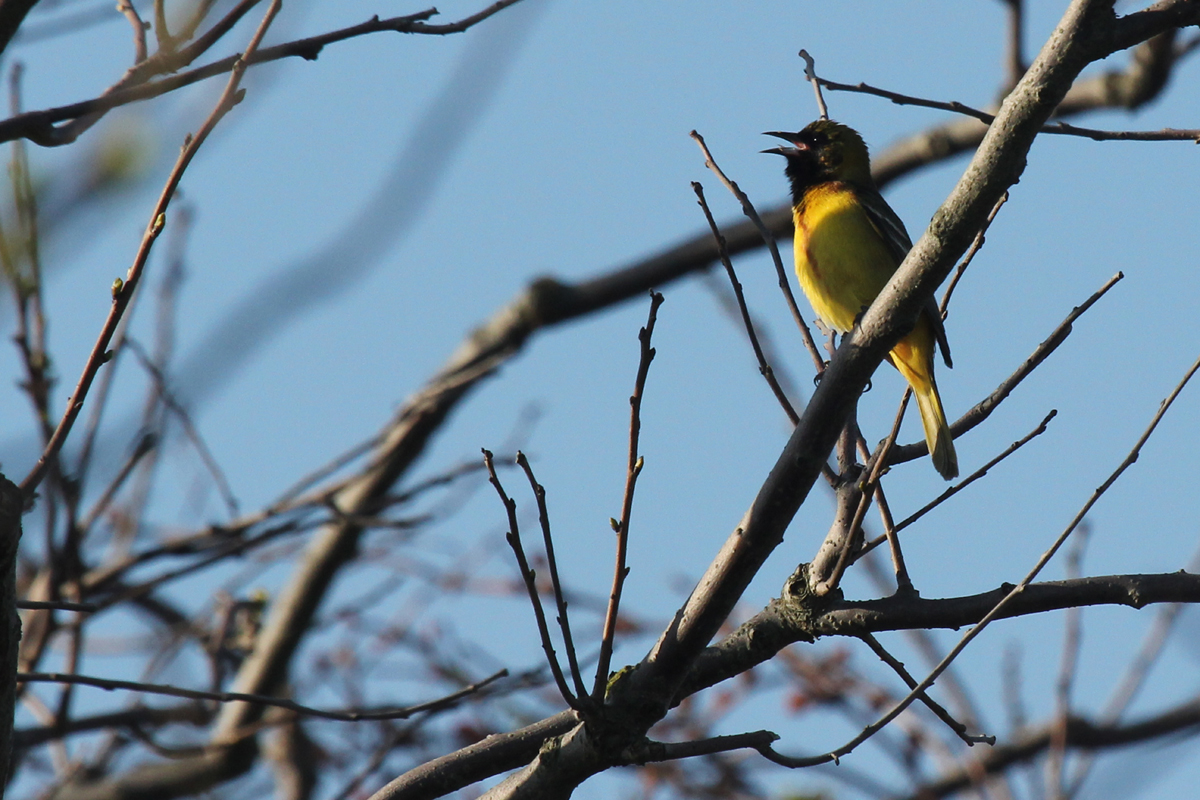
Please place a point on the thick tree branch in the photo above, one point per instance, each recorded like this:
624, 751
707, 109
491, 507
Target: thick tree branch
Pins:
1135, 28
497, 753
11, 505
796, 616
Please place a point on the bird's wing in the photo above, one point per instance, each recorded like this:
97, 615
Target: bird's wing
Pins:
891, 229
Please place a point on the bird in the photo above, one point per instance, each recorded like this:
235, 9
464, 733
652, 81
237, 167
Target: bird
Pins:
848, 243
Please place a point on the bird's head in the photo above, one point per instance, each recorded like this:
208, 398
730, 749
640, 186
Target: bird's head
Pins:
824, 151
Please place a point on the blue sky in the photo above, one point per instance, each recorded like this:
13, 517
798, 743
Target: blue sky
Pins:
425, 181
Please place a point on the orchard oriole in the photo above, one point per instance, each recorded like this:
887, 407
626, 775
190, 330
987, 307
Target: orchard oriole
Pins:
848, 244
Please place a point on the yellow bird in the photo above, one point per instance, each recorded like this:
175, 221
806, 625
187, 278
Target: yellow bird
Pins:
848, 244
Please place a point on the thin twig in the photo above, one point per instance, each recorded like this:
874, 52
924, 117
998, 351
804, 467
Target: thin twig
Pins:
57, 605
139, 29
889, 530
649, 751
145, 444
1134, 678
290, 495
1067, 671
971, 251
724, 297
810, 75
851, 551
621, 527
903, 581
180, 226
929, 650
262, 700
764, 368
1010, 674
189, 428
564, 622
23, 263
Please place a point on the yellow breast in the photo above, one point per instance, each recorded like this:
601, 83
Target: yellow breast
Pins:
841, 259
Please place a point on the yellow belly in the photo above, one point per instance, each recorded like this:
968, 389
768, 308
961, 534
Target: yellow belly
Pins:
841, 259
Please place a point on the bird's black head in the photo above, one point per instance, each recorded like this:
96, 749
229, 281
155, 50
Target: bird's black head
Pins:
824, 151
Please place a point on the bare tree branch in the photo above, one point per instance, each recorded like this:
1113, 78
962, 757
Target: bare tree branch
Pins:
109, 684
1078, 734
40, 126
123, 290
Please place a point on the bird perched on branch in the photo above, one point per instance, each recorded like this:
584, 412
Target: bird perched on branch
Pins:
848, 244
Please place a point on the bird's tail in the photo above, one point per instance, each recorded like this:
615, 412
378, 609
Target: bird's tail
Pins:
937, 431
913, 357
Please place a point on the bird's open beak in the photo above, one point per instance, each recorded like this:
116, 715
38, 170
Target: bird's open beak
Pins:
791, 138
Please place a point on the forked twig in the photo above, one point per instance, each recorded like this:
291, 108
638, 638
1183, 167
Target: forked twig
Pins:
940, 712
867, 486
564, 623
513, 537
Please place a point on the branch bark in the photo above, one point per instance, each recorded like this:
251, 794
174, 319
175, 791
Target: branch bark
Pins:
798, 616
12, 504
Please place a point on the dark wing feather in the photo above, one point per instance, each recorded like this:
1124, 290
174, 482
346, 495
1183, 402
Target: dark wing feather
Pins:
891, 228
